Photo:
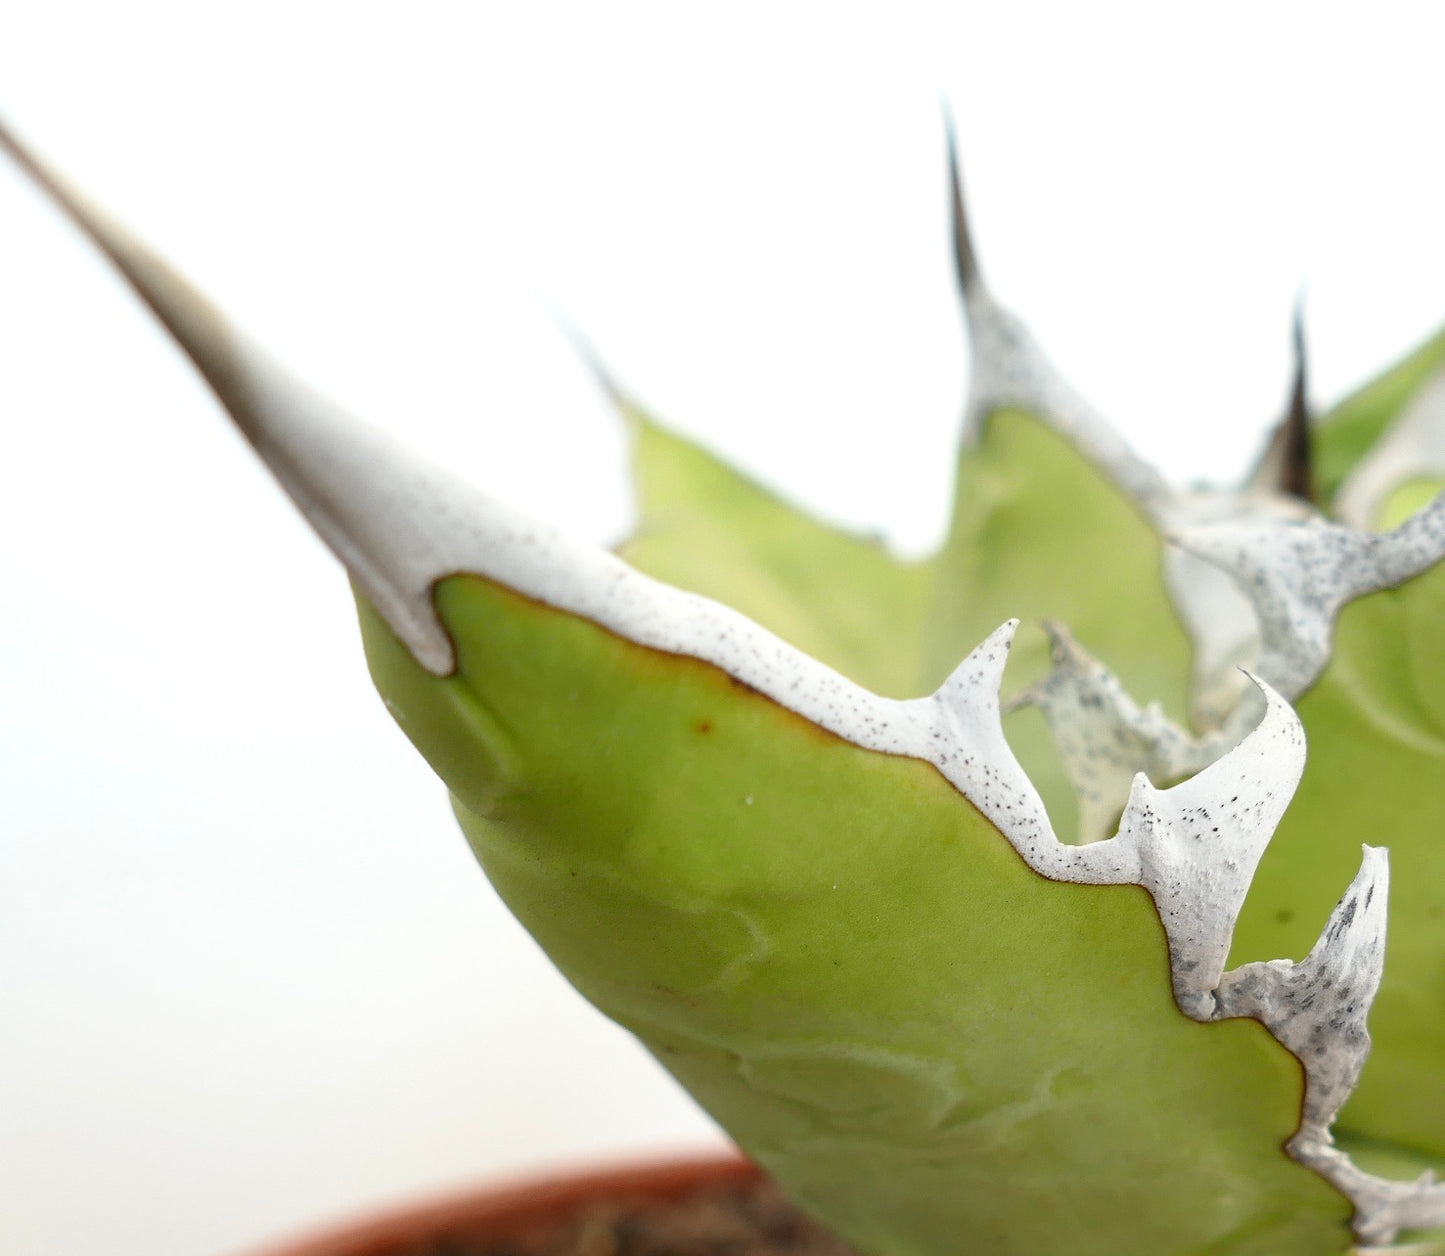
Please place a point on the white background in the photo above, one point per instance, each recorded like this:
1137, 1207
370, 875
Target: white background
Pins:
249, 977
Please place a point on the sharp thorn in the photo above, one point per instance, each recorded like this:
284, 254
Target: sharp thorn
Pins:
965, 260
1287, 464
1296, 464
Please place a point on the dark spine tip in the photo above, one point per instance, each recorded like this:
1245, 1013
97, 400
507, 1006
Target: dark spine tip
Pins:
965, 261
1287, 464
1297, 455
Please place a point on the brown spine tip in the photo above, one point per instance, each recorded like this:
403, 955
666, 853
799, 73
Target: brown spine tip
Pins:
965, 260
1297, 460
1287, 464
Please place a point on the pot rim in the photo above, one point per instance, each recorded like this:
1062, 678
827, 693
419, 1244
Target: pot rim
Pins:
513, 1202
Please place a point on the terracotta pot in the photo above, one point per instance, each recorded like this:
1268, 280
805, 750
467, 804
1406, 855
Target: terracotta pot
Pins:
511, 1210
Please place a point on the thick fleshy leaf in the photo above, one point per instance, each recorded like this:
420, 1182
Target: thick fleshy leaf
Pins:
1376, 727
846, 963
842, 597
1033, 525
1345, 434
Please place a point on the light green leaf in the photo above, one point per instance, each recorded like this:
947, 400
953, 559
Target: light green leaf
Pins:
936, 1049
844, 598
1038, 529
1035, 528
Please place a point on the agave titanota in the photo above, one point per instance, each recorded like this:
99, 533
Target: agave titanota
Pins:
846, 921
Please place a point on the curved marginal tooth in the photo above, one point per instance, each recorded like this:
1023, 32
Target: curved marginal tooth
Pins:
1298, 574
970, 694
1318, 1007
1199, 843
964, 712
970, 749
1105, 738
967, 744
1412, 447
1341, 974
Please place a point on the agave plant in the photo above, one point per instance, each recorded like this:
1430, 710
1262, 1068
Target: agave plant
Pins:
1059, 972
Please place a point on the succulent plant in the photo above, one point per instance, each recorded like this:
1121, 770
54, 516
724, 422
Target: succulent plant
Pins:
963, 973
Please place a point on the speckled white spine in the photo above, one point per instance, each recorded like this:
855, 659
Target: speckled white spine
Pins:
1104, 738
1257, 576
399, 525
1298, 575
1010, 371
